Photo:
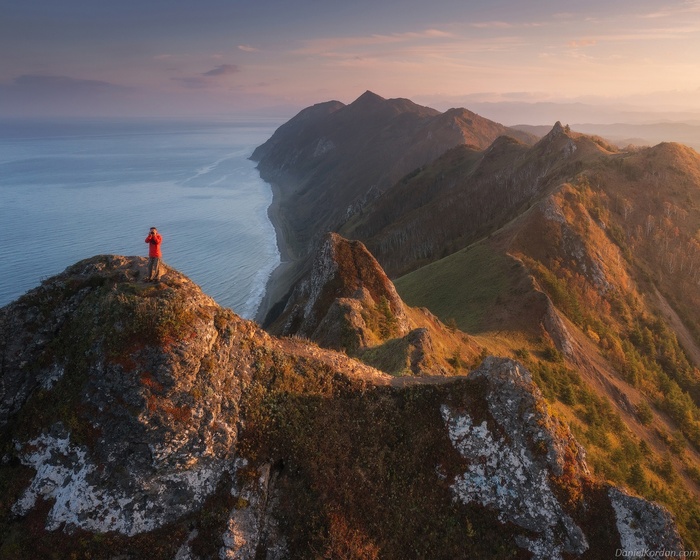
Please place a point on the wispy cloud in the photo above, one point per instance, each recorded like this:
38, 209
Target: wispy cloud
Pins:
497, 24
689, 6
247, 48
680, 31
189, 58
583, 43
193, 82
209, 78
328, 44
37, 94
43, 83
223, 70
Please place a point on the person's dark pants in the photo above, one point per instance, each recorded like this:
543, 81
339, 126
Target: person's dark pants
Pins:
153, 268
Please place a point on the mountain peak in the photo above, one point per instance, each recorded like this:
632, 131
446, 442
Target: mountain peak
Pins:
341, 269
348, 303
368, 98
558, 129
559, 140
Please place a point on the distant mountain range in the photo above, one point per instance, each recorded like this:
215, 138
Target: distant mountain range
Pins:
635, 134
538, 112
334, 159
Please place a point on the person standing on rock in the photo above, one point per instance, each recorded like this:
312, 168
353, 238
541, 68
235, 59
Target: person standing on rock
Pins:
154, 240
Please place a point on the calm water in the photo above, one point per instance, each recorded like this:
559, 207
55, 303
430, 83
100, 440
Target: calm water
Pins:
69, 191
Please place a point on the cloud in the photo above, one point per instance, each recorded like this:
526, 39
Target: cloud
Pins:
43, 83
209, 78
193, 82
583, 43
47, 94
687, 7
505, 25
493, 25
223, 70
324, 45
247, 48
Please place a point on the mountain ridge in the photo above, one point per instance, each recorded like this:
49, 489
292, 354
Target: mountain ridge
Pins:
155, 422
379, 139
580, 260
145, 418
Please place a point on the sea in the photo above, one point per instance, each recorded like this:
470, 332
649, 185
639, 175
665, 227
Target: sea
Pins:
72, 189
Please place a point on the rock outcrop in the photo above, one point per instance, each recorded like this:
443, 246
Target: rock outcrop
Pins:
341, 269
144, 420
118, 390
346, 302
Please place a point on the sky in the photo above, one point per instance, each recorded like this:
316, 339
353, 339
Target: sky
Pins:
274, 57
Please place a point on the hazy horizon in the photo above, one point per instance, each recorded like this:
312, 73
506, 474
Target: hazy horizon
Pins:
513, 62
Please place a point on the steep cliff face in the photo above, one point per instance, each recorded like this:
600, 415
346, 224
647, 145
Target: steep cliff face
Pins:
144, 419
341, 269
346, 302
299, 131
329, 163
117, 393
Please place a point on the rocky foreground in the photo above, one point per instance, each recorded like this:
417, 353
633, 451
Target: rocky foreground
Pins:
143, 420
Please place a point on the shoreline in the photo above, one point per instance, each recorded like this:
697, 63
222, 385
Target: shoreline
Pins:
281, 278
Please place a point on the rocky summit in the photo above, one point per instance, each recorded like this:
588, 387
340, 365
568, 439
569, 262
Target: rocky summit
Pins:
142, 420
346, 302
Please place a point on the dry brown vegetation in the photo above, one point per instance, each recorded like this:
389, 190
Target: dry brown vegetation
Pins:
612, 248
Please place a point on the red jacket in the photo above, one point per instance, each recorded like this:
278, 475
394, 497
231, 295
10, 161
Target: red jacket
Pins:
154, 242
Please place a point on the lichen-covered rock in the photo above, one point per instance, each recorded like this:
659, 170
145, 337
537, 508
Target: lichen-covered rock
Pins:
251, 526
644, 527
66, 475
511, 462
123, 404
516, 457
136, 395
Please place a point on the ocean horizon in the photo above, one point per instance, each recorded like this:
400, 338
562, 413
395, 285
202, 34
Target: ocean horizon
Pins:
72, 189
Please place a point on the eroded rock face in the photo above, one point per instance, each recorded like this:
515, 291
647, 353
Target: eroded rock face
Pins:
251, 526
341, 269
143, 404
510, 464
519, 454
348, 303
643, 526
83, 498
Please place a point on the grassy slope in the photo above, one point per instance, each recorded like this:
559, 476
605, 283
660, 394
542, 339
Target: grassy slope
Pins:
461, 288
479, 288
481, 291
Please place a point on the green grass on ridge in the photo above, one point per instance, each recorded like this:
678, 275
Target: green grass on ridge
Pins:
462, 287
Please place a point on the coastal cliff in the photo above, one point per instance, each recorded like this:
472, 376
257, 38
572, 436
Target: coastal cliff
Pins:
331, 160
329, 163
145, 419
575, 257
